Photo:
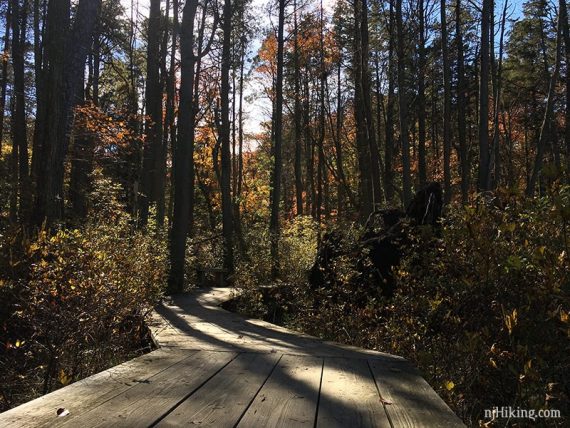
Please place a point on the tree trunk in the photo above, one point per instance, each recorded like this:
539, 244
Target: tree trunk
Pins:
227, 207
461, 110
483, 179
389, 144
446, 105
549, 111
365, 190
297, 118
566, 33
153, 126
276, 178
183, 152
19, 120
403, 102
4, 82
422, 163
66, 52
375, 160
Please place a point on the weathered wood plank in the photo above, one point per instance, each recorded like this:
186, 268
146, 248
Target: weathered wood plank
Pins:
146, 402
349, 397
413, 402
221, 402
90, 392
289, 397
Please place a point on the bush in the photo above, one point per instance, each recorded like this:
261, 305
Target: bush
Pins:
75, 303
483, 309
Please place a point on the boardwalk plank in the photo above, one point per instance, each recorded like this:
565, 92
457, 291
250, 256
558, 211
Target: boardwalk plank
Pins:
221, 402
413, 402
90, 392
289, 397
145, 403
349, 397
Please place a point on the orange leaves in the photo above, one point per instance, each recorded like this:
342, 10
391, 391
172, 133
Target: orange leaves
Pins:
105, 130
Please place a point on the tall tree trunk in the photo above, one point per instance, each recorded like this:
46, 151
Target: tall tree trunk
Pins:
39, 126
153, 104
461, 110
4, 82
297, 118
365, 189
20, 14
497, 99
403, 102
183, 152
66, 53
446, 104
171, 102
483, 179
375, 160
227, 215
549, 111
274, 230
566, 33
422, 162
389, 143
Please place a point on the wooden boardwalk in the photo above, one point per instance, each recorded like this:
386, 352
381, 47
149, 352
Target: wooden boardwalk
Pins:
217, 369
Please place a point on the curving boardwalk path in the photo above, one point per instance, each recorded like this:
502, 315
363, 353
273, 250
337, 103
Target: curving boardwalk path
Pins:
218, 369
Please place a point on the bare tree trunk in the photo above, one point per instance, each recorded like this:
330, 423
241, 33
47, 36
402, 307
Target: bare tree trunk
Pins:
497, 95
153, 125
297, 118
227, 215
365, 189
403, 101
389, 144
183, 151
66, 52
566, 33
483, 179
4, 82
549, 111
20, 17
446, 105
422, 163
276, 179
461, 108
375, 160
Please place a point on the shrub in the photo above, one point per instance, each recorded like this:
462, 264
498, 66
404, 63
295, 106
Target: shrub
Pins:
77, 303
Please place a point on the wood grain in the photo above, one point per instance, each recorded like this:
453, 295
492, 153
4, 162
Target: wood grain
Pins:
289, 397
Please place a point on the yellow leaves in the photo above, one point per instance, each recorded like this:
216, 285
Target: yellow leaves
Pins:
449, 385
492, 363
63, 378
564, 316
510, 320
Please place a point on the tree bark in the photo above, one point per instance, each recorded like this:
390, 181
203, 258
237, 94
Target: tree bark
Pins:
446, 105
153, 123
66, 52
549, 111
422, 162
4, 82
461, 110
227, 206
403, 102
183, 152
483, 179
274, 230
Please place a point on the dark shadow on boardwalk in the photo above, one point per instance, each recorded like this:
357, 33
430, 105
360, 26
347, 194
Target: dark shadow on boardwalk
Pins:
219, 369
